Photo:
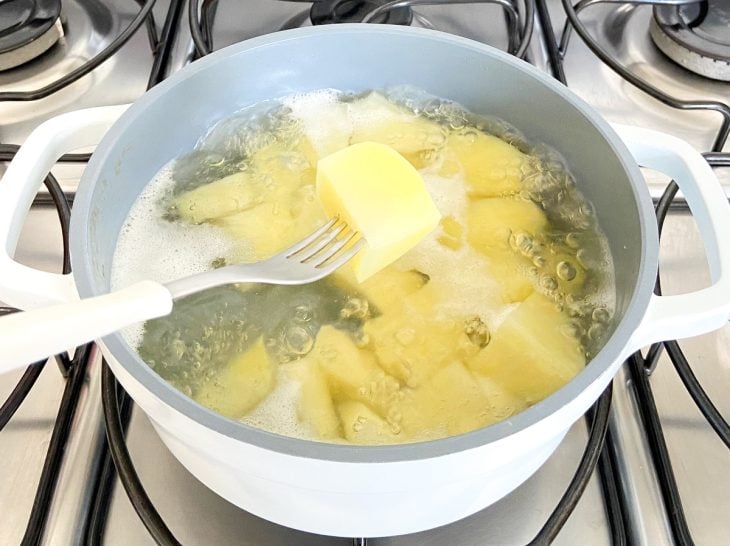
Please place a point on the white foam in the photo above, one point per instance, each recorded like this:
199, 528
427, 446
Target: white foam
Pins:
463, 273
150, 247
324, 119
278, 411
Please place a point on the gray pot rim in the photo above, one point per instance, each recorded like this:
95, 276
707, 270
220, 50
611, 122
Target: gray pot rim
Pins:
135, 366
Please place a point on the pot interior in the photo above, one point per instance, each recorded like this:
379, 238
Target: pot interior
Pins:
169, 119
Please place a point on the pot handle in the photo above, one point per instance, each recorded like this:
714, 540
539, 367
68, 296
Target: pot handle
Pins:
22, 286
699, 312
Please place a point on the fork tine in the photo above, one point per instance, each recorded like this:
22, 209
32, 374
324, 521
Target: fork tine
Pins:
310, 238
310, 252
334, 248
342, 259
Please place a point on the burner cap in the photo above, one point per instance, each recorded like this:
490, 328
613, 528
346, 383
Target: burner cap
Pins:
695, 36
324, 12
27, 29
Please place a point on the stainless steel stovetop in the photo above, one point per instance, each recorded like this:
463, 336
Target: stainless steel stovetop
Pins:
197, 516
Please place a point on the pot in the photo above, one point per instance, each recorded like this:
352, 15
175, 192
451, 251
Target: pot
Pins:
340, 489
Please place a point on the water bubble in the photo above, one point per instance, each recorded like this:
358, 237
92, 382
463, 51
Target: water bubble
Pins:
539, 261
303, 313
548, 282
470, 135
595, 331
601, 314
477, 332
521, 242
298, 340
583, 257
572, 240
566, 271
178, 347
356, 308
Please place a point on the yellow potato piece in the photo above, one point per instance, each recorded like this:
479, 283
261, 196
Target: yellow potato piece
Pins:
451, 402
270, 227
281, 158
351, 373
490, 222
376, 119
239, 388
385, 289
234, 193
502, 403
315, 402
531, 355
512, 272
490, 166
378, 193
410, 343
363, 426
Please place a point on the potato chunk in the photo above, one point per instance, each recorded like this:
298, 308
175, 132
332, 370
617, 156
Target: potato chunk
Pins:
241, 385
411, 346
490, 165
234, 193
531, 354
315, 402
451, 402
378, 193
271, 227
490, 222
351, 373
363, 426
386, 289
376, 119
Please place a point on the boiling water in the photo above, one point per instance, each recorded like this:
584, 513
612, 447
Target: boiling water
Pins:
205, 331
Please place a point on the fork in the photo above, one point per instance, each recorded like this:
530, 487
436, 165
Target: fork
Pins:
39, 333
313, 258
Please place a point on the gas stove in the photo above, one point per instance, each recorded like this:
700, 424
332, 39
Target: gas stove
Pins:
653, 475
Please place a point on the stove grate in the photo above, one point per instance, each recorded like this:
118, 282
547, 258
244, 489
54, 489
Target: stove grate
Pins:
574, 21
641, 368
88, 66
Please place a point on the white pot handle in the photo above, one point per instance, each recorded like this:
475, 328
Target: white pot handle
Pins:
699, 312
22, 286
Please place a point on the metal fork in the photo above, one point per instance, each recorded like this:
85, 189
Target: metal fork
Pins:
312, 258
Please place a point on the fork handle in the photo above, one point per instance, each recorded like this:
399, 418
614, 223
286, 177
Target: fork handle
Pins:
40, 333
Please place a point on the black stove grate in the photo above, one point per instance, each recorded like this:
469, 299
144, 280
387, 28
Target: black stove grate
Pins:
574, 22
640, 368
74, 370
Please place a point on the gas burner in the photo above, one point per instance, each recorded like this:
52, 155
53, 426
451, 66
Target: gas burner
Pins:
695, 36
28, 28
324, 12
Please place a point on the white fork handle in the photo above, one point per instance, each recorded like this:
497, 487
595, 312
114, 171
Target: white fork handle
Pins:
34, 335
701, 311
22, 286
